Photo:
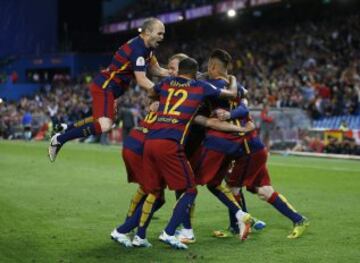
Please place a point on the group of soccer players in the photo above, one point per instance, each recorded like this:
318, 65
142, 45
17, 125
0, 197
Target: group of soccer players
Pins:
197, 132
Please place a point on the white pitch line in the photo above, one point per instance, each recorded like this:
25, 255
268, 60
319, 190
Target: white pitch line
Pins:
316, 167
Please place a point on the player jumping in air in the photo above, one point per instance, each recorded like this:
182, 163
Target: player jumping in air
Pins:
130, 61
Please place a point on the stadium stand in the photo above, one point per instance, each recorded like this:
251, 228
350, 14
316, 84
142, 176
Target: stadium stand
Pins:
315, 68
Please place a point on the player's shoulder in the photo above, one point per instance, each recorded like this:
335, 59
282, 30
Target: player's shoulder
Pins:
138, 44
134, 41
219, 83
169, 79
205, 84
199, 82
166, 80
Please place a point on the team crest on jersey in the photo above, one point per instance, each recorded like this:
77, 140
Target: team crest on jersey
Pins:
140, 61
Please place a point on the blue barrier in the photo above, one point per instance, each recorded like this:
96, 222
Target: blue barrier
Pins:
14, 92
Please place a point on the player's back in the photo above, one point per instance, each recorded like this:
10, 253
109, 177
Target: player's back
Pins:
131, 56
180, 99
135, 140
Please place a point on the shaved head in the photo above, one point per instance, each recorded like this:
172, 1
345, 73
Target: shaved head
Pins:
152, 31
149, 24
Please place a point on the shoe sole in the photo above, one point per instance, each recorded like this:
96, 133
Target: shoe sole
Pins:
118, 242
140, 246
187, 241
246, 232
168, 243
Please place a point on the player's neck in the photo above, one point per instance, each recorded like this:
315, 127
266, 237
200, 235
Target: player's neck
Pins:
144, 38
184, 77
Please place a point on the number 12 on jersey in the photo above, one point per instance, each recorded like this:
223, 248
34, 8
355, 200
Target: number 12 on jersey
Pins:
181, 94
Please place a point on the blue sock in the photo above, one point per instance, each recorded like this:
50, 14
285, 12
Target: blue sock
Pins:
79, 123
141, 232
80, 132
132, 221
181, 210
70, 127
233, 221
187, 219
233, 207
282, 205
241, 200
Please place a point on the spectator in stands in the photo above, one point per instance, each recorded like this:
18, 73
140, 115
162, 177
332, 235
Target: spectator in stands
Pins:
266, 124
127, 115
14, 77
26, 123
315, 67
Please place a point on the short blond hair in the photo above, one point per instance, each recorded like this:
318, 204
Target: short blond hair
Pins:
178, 56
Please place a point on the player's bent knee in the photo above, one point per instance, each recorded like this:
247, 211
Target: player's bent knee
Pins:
265, 192
105, 123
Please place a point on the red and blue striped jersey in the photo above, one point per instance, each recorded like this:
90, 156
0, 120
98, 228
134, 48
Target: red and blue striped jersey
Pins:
136, 138
131, 56
230, 143
227, 105
180, 99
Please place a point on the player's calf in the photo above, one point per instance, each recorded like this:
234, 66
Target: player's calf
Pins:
280, 203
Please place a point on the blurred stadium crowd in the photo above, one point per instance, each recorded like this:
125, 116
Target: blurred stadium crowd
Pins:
315, 65
311, 65
145, 8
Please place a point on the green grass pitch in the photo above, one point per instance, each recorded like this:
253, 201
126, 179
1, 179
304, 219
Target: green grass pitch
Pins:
64, 211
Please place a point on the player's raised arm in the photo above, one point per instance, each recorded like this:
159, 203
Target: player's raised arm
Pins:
156, 69
143, 81
154, 91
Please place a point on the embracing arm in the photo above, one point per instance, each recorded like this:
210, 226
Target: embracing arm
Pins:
156, 70
224, 126
240, 112
143, 81
232, 92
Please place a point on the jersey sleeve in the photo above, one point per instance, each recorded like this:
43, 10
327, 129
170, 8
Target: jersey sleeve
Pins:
240, 112
210, 90
138, 60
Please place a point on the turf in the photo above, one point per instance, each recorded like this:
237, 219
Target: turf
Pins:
64, 211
